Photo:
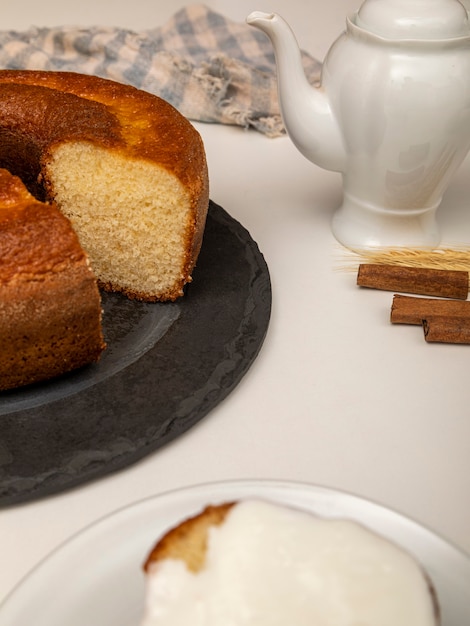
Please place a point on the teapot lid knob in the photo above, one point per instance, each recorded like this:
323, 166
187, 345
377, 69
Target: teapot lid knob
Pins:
414, 19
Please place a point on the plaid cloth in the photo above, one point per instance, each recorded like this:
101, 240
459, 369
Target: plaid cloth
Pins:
210, 68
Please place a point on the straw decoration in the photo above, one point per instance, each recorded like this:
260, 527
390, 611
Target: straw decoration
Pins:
452, 258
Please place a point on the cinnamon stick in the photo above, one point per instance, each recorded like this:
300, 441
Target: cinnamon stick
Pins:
417, 280
413, 310
444, 329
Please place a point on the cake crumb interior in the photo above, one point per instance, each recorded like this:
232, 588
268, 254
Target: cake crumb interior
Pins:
127, 215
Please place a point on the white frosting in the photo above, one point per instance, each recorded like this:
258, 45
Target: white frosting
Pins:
269, 565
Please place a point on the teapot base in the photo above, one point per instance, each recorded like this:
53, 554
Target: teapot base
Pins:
360, 226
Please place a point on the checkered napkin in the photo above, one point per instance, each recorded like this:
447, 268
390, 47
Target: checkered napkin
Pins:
210, 68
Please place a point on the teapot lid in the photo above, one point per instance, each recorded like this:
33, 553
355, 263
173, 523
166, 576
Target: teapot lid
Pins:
414, 19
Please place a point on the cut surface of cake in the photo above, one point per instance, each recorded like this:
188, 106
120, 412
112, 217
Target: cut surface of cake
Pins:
124, 166
50, 306
259, 563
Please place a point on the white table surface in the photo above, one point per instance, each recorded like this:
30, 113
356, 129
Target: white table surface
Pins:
338, 396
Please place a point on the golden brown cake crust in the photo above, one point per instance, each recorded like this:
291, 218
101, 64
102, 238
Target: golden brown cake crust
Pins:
109, 119
48, 327
188, 540
36, 239
178, 146
50, 310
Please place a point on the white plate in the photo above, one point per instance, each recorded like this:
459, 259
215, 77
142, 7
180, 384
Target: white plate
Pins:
96, 579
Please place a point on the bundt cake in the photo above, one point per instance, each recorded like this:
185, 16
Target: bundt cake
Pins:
124, 166
112, 174
50, 307
255, 563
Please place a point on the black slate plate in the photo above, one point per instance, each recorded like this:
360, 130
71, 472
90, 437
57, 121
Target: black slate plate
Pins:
166, 366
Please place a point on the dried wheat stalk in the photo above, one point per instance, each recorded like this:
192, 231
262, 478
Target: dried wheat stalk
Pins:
452, 258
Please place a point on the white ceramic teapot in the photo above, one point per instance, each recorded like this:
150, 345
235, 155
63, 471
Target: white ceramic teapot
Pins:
392, 114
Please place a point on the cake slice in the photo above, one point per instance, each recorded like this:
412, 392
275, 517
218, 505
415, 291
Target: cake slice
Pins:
258, 563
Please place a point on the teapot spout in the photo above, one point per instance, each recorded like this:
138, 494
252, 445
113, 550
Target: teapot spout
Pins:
305, 109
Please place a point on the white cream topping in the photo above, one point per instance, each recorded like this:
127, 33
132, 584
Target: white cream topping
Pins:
269, 565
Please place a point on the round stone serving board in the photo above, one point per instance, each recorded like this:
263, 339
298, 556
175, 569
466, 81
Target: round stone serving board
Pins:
166, 366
